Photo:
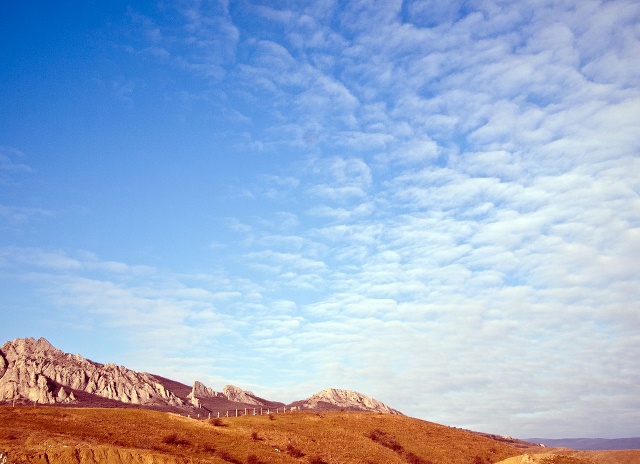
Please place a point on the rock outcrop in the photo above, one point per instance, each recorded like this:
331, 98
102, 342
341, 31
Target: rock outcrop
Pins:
237, 394
34, 370
201, 391
332, 398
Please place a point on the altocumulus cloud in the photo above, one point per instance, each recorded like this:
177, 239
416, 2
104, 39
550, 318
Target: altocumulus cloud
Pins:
451, 222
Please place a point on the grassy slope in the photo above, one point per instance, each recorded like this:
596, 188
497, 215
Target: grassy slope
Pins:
339, 437
92, 435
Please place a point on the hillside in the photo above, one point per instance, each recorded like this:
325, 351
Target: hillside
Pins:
35, 372
70, 435
124, 435
115, 415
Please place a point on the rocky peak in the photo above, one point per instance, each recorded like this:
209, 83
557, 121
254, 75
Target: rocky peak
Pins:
234, 393
201, 391
35, 371
345, 399
32, 369
29, 347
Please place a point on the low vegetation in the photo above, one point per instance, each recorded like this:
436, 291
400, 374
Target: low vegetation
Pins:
66, 435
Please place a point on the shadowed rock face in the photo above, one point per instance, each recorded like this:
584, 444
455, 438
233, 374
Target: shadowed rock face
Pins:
36, 371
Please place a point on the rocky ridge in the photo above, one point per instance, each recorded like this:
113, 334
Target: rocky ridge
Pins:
201, 392
35, 371
333, 398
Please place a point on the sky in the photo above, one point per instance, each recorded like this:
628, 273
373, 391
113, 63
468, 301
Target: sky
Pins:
434, 203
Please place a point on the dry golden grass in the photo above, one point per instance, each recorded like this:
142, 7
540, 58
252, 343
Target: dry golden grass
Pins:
66, 435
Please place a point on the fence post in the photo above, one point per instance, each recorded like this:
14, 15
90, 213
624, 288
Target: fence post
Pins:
236, 413
245, 411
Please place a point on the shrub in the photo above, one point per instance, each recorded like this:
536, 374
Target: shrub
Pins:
226, 456
415, 459
209, 448
317, 460
174, 439
385, 440
255, 437
253, 459
217, 422
294, 452
272, 417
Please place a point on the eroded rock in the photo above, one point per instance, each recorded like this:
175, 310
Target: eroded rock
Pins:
31, 369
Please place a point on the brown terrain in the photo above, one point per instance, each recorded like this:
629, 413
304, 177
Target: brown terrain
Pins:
61, 408
35, 372
55, 435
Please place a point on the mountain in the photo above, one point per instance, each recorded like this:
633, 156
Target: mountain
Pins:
34, 371
590, 443
126, 429
334, 399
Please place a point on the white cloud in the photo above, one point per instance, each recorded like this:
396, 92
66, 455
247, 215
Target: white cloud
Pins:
451, 220
475, 209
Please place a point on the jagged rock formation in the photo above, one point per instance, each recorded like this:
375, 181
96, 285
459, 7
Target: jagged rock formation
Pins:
237, 394
230, 392
201, 391
36, 371
332, 398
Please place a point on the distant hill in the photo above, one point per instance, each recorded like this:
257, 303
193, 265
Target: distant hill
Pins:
35, 372
590, 443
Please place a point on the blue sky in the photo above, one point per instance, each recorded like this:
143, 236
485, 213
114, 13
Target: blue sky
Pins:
433, 203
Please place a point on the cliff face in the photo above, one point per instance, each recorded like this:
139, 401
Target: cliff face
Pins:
201, 391
34, 370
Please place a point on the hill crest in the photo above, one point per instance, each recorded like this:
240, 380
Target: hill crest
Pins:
34, 371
